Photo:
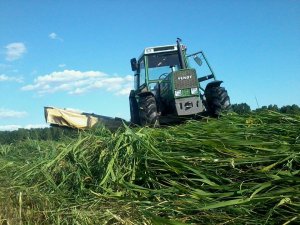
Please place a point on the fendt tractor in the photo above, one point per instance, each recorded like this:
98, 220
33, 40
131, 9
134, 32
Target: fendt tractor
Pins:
166, 90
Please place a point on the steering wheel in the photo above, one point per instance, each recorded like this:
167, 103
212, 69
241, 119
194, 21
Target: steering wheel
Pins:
164, 75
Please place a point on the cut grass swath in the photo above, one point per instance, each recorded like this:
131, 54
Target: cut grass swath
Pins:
235, 170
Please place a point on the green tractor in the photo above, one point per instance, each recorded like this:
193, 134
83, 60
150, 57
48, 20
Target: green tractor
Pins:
167, 89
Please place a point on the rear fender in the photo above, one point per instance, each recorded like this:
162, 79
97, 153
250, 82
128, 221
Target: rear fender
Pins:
133, 104
146, 93
133, 94
212, 84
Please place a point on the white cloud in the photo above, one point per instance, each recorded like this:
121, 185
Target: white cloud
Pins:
33, 126
54, 36
125, 91
4, 66
77, 82
9, 127
8, 113
4, 77
16, 127
15, 51
62, 65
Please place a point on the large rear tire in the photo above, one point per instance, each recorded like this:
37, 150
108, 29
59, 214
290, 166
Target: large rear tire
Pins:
217, 100
148, 111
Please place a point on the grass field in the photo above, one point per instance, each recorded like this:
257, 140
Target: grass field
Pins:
232, 170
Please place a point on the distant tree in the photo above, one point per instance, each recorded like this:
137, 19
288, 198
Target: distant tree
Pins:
22, 134
291, 109
46, 134
34, 134
263, 108
273, 108
241, 108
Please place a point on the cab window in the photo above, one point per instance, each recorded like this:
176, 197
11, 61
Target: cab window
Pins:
142, 72
159, 64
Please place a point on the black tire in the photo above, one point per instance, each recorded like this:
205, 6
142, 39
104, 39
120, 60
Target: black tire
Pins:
134, 109
217, 100
148, 111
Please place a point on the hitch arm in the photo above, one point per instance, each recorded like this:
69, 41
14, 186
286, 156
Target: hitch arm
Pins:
200, 79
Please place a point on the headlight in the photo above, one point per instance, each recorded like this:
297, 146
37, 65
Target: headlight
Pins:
177, 93
194, 91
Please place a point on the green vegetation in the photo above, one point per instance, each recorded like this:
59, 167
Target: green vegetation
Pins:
239, 169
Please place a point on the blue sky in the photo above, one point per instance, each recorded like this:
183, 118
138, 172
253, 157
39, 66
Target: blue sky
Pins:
75, 54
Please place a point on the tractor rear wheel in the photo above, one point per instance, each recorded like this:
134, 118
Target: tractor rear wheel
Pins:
148, 111
217, 100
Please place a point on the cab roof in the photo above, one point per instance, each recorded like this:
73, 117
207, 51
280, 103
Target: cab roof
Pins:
158, 49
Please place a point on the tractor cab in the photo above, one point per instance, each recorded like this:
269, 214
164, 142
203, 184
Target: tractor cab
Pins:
154, 65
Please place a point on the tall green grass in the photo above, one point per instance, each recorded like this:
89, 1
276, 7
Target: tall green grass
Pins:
232, 170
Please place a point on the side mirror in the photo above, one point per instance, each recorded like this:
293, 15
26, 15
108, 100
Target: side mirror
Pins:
134, 65
197, 60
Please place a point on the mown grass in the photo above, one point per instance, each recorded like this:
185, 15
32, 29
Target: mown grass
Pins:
232, 170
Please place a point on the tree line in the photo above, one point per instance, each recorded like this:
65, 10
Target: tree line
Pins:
244, 108
51, 133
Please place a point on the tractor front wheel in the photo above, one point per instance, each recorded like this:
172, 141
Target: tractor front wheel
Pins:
148, 111
217, 100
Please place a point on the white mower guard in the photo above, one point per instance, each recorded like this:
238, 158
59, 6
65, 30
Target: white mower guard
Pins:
79, 120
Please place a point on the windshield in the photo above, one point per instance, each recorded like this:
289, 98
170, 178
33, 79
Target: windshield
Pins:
162, 64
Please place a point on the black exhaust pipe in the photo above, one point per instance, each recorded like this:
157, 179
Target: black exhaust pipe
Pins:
181, 59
